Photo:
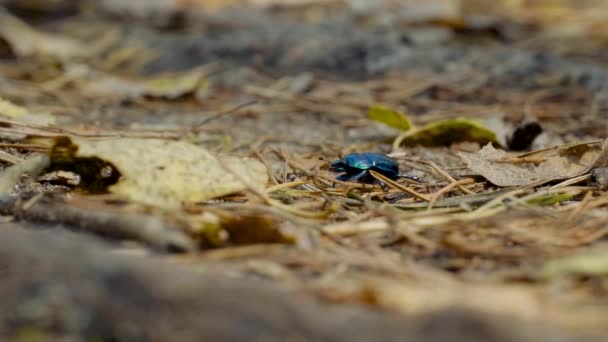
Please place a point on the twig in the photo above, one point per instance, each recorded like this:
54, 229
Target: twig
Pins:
150, 230
9, 158
269, 201
447, 188
197, 127
571, 181
396, 185
285, 186
271, 175
579, 209
448, 177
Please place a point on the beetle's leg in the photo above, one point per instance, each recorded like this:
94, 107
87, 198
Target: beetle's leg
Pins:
383, 185
345, 177
357, 176
365, 173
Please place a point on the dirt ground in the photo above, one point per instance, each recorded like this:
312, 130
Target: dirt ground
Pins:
467, 253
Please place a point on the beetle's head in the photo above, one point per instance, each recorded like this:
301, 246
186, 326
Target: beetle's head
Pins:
337, 166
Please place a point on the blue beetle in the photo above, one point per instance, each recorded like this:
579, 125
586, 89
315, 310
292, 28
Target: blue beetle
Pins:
357, 165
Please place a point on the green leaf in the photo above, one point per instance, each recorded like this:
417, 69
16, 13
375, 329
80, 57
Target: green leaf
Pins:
389, 117
447, 132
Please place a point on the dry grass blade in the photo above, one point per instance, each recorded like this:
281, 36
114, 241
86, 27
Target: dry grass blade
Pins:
456, 183
267, 200
198, 126
287, 185
398, 186
9, 158
449, 178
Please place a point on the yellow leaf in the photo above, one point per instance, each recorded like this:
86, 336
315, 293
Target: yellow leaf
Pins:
447, 132
590, 263
10, 109
170, 86
165, 173
389, 117
173, 86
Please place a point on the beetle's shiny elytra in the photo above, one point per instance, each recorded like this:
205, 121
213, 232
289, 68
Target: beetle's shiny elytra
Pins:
356, 167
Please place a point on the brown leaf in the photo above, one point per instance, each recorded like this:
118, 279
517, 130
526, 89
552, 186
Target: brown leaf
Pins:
536, 167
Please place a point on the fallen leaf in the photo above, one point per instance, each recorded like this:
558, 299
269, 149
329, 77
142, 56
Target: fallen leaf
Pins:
160, 172
245, 227
589, 263
26, 41
21, 114
173, 86
252, 228
447, 132
11, 175
170, 86
536, 167
389, 117
10, 109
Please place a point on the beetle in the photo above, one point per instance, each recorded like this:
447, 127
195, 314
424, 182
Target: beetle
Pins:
356, 167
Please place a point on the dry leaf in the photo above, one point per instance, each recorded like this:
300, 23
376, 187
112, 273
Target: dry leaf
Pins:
170, 86
26, 41
537, 167
10, 109
21, 114
223, 229
11, 175
169, 173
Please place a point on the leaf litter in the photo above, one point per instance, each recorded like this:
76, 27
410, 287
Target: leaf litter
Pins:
485, 229
537, 167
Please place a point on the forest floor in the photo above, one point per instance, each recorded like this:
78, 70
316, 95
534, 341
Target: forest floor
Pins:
166, 172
